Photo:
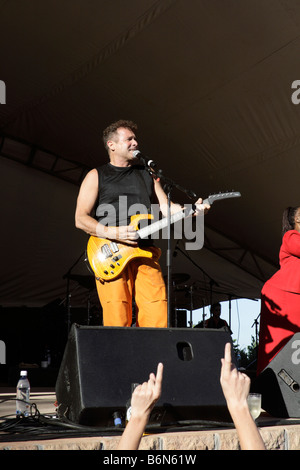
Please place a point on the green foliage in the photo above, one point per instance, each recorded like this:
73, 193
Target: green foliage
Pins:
246, 357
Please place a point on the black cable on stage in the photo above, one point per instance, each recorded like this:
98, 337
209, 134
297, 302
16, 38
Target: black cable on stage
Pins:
50, 426
43, 425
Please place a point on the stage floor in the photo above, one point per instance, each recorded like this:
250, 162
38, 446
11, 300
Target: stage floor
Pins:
39, 434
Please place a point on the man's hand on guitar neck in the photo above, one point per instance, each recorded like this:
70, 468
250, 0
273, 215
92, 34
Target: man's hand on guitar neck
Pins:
201, 208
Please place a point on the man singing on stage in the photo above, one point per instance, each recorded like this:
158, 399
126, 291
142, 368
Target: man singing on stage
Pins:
125, 175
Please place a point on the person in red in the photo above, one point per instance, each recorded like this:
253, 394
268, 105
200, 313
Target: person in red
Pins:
280, 295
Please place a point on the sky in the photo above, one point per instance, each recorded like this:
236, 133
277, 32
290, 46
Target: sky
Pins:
243, 314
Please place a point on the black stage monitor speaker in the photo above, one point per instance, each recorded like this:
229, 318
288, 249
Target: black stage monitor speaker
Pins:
279, 382
101, 363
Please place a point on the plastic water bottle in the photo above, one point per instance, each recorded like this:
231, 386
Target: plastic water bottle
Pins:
23, 395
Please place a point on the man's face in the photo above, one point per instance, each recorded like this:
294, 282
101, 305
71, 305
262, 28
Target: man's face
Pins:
123, 143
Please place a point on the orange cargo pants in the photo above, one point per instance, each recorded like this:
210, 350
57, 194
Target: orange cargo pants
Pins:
142, 277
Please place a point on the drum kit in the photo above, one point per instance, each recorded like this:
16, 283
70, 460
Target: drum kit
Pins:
185, 296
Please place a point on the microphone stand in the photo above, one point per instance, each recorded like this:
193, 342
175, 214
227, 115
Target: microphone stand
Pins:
170, 184
169, 260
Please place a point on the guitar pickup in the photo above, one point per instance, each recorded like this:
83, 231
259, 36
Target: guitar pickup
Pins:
114, 247
106, 251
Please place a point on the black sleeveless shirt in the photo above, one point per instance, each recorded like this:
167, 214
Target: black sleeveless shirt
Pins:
123, 192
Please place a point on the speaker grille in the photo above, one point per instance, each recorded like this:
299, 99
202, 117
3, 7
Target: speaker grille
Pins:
101, 363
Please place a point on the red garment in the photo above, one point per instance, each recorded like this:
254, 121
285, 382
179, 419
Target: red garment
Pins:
280, 302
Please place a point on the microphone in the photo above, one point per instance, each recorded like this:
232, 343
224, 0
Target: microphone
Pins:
147, 161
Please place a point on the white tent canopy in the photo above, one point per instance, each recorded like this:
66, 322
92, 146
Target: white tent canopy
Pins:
209, 83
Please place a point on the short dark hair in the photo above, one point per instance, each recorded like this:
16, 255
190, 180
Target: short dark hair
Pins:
109, 132
213, 306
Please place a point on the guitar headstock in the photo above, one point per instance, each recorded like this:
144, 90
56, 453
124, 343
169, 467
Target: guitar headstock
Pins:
218, 196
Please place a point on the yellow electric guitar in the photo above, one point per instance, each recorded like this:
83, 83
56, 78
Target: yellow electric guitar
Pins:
108, 258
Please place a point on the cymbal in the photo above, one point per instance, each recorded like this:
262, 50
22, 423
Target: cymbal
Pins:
88, 282
178, 278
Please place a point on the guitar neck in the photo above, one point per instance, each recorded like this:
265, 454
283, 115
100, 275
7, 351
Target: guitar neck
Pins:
160, 224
